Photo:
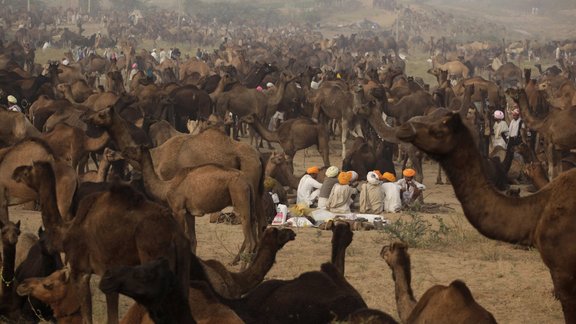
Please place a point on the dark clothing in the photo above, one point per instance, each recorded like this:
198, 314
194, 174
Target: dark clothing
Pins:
327, 187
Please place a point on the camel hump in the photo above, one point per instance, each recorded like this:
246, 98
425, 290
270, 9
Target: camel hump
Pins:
463, 290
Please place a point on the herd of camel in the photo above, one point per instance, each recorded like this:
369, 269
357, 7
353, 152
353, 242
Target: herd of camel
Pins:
132, 220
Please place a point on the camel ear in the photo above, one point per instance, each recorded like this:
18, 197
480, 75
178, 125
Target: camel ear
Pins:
18, 225
65, 276
40, 231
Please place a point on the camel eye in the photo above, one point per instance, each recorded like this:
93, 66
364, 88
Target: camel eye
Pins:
48, 286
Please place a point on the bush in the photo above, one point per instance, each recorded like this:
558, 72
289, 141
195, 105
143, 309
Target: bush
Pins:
417, 231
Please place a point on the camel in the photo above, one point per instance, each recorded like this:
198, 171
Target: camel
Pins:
210, 146
556, 127
536, 173
161, 131
76, 92
73, 145
508, 75
23, 153
14, 127
456, 69
280, 169
57, 291
313, 297
439, 304
90, 244
335, 101
194, 192
153, 286
544, 220
294, 135
235, 284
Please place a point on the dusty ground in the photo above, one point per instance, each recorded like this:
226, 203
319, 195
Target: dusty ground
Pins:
511, 283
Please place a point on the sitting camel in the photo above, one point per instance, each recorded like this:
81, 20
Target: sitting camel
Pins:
56, 291
294, 135
112, 227
194, 192
153, 286
544, 220
439, 304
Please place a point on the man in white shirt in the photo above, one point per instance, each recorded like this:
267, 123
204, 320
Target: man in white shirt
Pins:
392, 200
309, 187
410, 188
514, 138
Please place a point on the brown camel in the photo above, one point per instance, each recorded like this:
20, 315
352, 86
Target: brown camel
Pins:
161, 131
536, 173
111, 228
73, 145
335, 101
14, 127
76, 92
294, 135
439, 304
9, 237
280, 169
557, 127
456, 69
23, 153
57, 291
544, 220
194, 192
235, 284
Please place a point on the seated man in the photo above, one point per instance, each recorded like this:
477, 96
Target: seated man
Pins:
329, 182
392, 200
409, 188
340, 198
308, 188
371, 195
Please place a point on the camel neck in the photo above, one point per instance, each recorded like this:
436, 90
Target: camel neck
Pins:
267, 134
119, 131
338, 257
174, 308
493, 214
51, 217
154, 186
8, 264
67, 310
254, 274
531, 120
92, 144
405, 301
385, 132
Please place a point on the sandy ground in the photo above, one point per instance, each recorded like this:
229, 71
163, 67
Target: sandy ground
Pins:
513, 284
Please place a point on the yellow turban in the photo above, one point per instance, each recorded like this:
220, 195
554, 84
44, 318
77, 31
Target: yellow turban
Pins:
388, 176
409, 172
312, 170
344, 178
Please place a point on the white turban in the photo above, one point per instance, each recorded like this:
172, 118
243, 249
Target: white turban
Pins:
372, 178
332, 172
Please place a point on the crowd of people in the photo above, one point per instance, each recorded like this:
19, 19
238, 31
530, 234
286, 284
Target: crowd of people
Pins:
342, 193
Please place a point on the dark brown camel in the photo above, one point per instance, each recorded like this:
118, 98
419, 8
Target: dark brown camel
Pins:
235, 284
439, 304
111, 228
196, 191
313, 297
544, 220
8, 302
557, 127
154, 286
294, 135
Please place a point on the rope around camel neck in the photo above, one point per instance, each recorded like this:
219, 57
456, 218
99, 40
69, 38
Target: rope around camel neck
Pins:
36, 312
6, 282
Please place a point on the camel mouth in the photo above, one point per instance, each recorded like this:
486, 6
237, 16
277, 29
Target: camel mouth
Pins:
406, 132
23, 290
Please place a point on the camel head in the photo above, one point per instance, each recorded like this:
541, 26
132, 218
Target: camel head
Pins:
143, 283
342, 234
49, 290
543, 86
102, 118
10, 232
33, 175
436, 134
396, 254
134, 153
277, 238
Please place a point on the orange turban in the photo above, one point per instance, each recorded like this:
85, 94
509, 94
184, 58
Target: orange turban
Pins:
344, 178
378, 173
389, 176
409, 172
312, 170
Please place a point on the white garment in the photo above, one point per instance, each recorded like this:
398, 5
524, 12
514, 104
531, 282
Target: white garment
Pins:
155, 56
514, 129
14, 108
340, 198
392, 201
162, 56
308, 190
499, 128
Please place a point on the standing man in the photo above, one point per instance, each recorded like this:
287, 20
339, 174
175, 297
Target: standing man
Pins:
514, 138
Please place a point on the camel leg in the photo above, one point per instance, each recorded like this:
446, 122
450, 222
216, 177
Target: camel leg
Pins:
439, 177
246, 207
3, 205
82, 283
564, 287
112, 308
191, 230
324, 145
344, 136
